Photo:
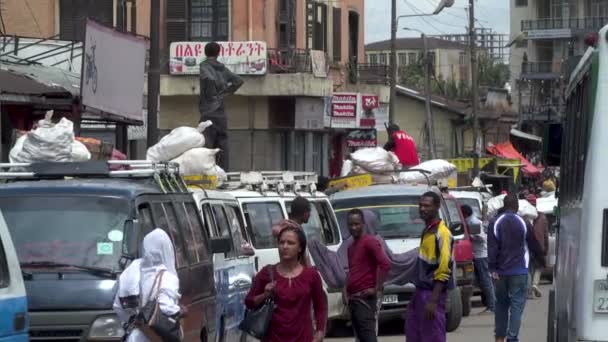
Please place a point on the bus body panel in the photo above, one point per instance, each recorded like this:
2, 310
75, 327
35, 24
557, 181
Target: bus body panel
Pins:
581, 222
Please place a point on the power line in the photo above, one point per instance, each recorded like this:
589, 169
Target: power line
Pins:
417, 11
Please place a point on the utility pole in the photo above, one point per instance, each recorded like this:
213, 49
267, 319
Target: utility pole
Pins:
427, 89
393, 62
121, 131
475, 86
153, 73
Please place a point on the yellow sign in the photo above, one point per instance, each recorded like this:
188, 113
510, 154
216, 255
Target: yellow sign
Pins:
201, 181
351, 182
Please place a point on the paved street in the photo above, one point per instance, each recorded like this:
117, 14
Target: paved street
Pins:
476, 328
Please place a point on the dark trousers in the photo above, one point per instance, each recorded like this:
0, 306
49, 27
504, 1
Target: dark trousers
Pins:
482, 273
363, 316
217, 137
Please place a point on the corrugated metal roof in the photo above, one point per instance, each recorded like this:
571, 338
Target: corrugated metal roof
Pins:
37, 80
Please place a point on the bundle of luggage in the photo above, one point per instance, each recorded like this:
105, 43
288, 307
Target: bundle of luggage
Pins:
384, 166
184, 145
55, 142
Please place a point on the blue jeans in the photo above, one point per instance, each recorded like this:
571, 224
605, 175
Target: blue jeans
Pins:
511, 295
482, 273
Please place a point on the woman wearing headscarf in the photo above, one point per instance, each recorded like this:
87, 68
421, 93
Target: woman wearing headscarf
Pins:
137, 281
295, 289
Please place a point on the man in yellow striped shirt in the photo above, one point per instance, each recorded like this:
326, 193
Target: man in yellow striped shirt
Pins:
426, 317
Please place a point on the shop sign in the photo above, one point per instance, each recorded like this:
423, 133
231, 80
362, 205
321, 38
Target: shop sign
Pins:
370, 104
362, 138
344, 110
242, 58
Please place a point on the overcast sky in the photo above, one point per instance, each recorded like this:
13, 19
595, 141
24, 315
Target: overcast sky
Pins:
490, 13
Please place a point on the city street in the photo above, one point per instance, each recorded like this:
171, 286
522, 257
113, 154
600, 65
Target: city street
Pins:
478, 328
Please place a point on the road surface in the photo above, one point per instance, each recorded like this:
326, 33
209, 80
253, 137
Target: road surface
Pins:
477, 328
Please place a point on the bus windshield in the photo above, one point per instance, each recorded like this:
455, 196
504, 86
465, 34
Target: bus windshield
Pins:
73, 230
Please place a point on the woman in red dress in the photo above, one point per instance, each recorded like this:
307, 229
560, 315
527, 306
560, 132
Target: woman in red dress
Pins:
296, 290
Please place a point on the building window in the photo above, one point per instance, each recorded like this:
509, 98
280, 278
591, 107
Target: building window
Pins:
412, 58
383, 59
521, 3
402, 59
73, 16
432, 57
208, 20
462, 58
373, 58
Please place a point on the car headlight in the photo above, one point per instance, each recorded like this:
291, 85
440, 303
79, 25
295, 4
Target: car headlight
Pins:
106, 327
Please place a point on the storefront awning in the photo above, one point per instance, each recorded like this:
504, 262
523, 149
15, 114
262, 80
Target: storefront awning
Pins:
506, 150
37, 84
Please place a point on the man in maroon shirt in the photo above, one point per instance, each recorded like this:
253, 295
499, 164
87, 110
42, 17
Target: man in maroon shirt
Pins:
367, 270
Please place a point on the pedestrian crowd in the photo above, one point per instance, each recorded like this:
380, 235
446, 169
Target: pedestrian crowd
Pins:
287, 302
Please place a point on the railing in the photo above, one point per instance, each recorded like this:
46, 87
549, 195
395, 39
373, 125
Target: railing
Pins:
528, 68
370, 73
289, 61
543, 112
589, 23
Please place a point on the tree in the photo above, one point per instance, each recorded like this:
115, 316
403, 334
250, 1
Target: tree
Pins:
490, 74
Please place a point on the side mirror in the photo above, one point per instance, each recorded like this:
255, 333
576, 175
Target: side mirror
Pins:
456, 228
221, 245
131, 239
247, 250
474, 229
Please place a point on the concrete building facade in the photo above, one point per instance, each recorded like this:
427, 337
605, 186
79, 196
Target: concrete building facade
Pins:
450, 59
547, 40
264, 114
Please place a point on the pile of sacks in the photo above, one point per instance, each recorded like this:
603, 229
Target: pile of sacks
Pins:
384, 165
49, 142
526, 209
184, 145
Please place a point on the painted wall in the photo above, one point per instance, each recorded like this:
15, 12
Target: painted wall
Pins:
411, 117
183, 111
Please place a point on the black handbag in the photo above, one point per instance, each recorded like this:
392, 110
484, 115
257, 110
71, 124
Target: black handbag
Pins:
168, 328
257, 322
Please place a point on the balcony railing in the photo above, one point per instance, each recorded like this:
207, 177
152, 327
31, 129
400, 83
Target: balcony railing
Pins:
289, 61
528, 68
370, 74
552, 113
589, 23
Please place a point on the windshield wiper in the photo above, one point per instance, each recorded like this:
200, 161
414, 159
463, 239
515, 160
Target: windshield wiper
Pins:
98, 271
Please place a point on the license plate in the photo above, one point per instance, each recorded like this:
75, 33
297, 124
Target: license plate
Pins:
600, 296
390, 299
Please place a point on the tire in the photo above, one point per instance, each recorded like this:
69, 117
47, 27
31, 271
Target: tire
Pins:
454, 314
551, 317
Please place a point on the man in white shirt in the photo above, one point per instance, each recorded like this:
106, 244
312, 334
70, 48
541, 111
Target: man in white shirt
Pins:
480, 260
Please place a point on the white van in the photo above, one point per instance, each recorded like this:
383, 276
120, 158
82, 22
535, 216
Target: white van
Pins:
265, 199
234, 270
13, 301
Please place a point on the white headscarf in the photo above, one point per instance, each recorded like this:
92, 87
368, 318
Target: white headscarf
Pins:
158, 255
139, 277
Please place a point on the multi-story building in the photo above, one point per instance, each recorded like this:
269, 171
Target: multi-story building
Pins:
547, 40
449, 58
487, 39
293, 55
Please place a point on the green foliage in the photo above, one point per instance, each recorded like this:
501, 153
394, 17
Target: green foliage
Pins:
490, 74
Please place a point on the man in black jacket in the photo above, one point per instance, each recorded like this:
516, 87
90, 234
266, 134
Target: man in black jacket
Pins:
216, 82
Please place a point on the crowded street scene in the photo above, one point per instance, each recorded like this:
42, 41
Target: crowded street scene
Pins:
303, 170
